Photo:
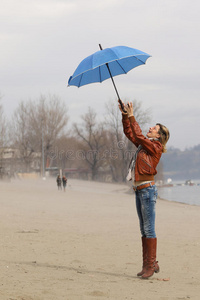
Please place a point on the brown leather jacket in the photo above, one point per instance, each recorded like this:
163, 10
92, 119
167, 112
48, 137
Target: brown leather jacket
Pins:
148, 157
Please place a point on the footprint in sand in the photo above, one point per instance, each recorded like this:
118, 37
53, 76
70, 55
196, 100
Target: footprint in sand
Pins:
97, 294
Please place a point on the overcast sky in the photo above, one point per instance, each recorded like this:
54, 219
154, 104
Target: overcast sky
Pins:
43, 41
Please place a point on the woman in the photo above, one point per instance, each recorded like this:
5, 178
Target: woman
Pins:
143, 169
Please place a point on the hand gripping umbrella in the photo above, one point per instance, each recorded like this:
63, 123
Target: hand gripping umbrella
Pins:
106, 64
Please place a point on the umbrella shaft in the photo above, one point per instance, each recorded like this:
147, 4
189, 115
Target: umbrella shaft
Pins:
113, 81
111, 76
120, 102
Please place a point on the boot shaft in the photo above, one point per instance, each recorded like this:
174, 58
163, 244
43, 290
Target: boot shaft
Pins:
144, 257
151, 244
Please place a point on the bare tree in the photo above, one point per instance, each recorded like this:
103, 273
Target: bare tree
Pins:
3, 127
118, 143
21, 134
48, 115
92, 135
63, 153
37, 122
3, 138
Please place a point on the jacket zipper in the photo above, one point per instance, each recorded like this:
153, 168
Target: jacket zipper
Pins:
146, 163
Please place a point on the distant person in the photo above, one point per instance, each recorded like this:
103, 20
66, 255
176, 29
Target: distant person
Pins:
141, 171
58, 180
64, 181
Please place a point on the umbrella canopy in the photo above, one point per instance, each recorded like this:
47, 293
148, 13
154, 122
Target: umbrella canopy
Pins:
106, 64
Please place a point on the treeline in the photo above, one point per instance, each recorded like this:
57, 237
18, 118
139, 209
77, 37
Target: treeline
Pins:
182, 165
98, 149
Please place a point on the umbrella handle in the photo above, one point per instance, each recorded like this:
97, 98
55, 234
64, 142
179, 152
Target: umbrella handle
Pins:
122, 106
120, 102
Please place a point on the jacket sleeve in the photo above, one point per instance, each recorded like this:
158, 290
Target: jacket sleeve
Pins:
128, 130
140, 139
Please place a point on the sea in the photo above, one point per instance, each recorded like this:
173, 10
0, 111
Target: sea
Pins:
179, 192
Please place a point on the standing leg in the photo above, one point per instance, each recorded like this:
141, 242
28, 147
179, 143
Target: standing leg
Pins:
141, 222
148, 203
139, 213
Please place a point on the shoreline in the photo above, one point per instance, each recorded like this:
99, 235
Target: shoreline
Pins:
122, 188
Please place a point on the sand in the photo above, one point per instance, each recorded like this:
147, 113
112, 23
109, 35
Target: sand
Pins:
85, 244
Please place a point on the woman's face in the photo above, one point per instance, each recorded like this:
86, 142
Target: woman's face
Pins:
153, 132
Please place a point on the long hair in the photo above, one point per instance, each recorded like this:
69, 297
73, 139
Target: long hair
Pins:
164, 136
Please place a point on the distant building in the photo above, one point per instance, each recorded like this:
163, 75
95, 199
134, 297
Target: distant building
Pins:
13, 162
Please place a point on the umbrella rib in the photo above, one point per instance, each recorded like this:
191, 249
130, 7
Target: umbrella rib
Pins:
100, 74
140, 60
79, 84
130, 56
121, 67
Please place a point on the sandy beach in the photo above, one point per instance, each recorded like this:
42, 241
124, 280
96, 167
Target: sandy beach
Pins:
85, 244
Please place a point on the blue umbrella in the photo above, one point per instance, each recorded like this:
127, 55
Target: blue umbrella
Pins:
106, 64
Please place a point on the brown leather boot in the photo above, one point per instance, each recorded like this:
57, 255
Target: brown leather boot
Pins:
144, 256
152, 265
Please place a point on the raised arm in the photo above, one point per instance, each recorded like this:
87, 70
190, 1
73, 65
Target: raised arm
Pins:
134, 132
127, 127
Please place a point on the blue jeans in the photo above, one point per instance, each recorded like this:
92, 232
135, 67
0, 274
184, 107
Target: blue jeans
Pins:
146, 206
